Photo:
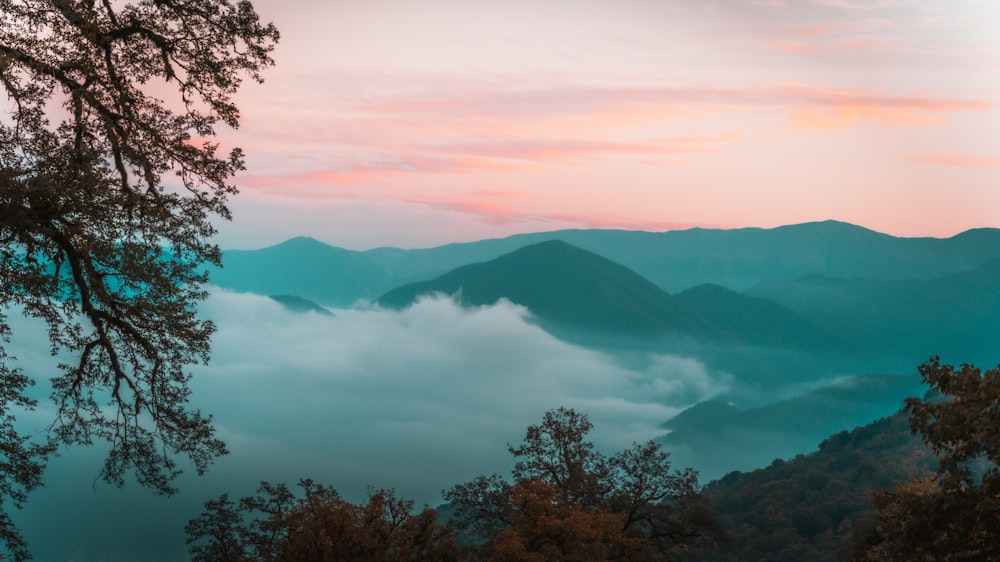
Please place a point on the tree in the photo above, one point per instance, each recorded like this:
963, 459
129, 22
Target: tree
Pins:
555, 451
563, 485
659, 504
106, 198
954, 514
319, 526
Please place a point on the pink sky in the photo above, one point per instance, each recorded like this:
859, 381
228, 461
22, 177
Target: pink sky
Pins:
412, 124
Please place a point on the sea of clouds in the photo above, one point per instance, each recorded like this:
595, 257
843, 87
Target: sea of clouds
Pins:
417, 400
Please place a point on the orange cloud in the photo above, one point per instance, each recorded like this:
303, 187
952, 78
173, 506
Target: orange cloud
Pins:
838, 109
952, 159
473, 132
860, 42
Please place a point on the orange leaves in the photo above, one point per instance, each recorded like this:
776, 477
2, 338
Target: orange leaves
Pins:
544, 528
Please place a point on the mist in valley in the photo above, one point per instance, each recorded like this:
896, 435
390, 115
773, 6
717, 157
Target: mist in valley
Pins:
417, 400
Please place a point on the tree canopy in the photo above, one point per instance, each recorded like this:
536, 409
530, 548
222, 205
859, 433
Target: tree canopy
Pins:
955, 513
316, 526
109, 180
566, 502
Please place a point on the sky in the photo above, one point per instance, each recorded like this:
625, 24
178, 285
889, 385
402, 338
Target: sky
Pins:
413, 124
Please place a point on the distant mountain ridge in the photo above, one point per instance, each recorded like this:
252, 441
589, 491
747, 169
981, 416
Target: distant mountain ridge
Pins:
673, 260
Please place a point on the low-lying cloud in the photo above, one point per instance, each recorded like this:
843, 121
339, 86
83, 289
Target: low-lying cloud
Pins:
419, 400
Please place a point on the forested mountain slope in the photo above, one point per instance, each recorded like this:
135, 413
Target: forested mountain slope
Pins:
806, 508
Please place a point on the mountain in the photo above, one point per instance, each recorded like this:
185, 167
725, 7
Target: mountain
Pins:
304, 267
568, 287
562, 284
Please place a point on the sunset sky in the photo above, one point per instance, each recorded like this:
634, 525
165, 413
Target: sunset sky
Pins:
412, 124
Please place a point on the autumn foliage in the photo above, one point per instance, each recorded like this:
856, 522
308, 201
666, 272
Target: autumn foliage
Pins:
318, 526
544, 528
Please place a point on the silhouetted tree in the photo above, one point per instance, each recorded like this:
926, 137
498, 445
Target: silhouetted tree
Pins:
954, 514
106, 196
560, 476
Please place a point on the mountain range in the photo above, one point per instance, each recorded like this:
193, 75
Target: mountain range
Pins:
820, 325
737, 259
866, 300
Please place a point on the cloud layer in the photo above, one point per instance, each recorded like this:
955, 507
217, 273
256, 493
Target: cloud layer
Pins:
418, 400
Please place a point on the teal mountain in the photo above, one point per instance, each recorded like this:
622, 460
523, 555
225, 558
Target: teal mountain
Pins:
562, 284
568, 287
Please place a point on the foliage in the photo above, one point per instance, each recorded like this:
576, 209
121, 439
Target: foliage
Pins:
544, 528
106, 196
955, 513
319, 526
568, 501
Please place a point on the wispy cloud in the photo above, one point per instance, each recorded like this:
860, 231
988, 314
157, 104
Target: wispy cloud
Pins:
836, 35
475, 131
839, 109
857, 42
